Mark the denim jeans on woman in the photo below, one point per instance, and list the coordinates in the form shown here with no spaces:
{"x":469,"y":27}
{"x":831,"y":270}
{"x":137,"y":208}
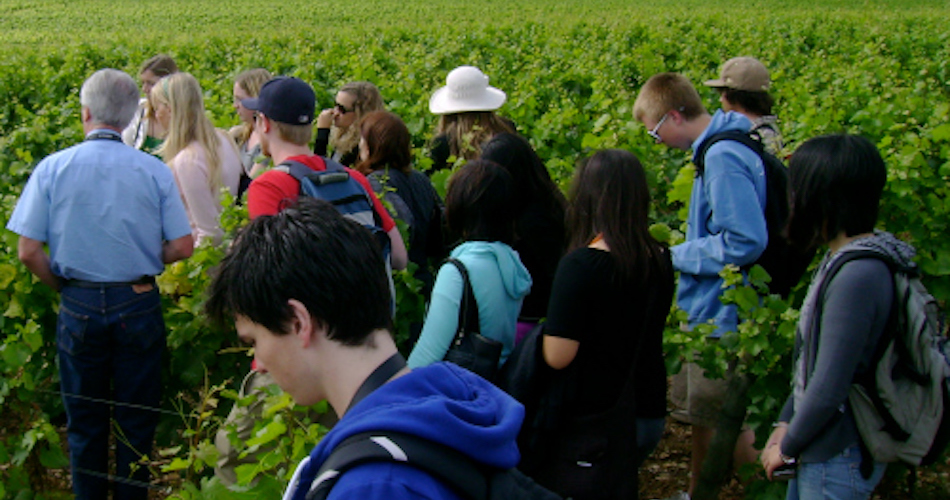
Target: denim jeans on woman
{"x":110,"y":342}
{"x":838,"y":478}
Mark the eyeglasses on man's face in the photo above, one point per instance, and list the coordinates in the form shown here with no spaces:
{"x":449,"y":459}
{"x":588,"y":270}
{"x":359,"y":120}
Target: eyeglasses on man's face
{"x":655,"y":132}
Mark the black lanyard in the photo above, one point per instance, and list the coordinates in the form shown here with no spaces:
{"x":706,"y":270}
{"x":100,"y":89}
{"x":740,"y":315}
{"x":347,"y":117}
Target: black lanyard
{"x":111,"y":136}
{"x":380,"y":376}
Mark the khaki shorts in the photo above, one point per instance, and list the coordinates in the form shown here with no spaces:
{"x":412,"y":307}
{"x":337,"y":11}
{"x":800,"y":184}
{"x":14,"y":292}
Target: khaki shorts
{"x":697,"y":400}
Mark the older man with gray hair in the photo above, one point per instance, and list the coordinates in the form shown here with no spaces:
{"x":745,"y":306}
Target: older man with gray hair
{"x":112,"y":218}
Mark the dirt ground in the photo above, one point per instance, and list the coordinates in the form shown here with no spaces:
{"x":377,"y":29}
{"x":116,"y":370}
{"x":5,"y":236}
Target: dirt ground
{"x":667,"y":472}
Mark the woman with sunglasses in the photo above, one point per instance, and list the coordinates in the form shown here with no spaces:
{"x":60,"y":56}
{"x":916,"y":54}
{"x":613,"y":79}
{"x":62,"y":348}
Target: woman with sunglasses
{"x":338,"y":127}
{"x":203,"y":159}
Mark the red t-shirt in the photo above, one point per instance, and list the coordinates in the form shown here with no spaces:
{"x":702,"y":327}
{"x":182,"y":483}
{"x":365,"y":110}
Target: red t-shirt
{"x":274,"y":190}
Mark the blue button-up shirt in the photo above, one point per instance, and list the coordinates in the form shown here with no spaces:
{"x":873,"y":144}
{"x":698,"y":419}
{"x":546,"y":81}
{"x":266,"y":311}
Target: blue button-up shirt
{"x":104,"y":209}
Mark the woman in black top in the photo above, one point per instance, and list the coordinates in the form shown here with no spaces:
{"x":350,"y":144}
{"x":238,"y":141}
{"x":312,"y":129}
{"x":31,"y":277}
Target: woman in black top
{"x":610,"y":299}
{"x":539,"y":218}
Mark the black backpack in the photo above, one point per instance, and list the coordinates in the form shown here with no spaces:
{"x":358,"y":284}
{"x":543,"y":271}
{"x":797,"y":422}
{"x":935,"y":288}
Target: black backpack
{"x":784,"y":263}
{"x":467,"y":478}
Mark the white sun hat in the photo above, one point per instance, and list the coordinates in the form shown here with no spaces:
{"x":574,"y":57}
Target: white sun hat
{"x":466,"y":89}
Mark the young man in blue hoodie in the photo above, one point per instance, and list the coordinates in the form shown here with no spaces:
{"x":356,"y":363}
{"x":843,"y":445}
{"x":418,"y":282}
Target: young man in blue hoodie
{"x":321,"y":328}
{"x":725,"y":225}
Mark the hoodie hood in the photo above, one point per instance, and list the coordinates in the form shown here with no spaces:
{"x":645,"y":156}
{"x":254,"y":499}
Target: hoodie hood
{"x":886,"y":244}
{"x":441,"y":403}
{"x":514,"y":275}
{"x":722,"y":121}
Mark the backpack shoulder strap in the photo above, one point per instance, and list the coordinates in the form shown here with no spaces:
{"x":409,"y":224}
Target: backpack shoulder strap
{"x":296,"y":169}
{"x":729,"y":135}
{"x":445,"y":464}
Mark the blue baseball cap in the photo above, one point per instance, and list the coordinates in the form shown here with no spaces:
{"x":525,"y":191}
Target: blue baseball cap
{"x":285,"y":99}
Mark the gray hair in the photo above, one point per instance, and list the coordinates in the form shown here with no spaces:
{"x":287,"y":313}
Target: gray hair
{"x":111,"y":96}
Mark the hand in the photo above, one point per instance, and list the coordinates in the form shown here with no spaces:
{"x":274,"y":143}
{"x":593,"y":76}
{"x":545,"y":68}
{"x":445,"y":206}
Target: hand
{"x":325,"y":119}
{"x":771,"y":457}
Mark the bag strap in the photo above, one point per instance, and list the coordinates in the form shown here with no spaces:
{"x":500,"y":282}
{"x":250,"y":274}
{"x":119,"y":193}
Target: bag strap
{"x":468,"y":306}
{"x":891,"y":426}
{"x":729,"y":135}
{"x":380,"y":376}
{"x":443,"y":463}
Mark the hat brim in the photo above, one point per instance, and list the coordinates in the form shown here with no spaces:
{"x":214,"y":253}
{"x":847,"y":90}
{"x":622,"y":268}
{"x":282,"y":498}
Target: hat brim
{"x":442,"y":102}
{"x":719,"y":84}
{"x":251,"y":103}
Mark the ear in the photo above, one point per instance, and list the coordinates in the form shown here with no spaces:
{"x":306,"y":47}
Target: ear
{"x":265,"y":124}
{"x":84,"y":114}
{"x":305,"y":327}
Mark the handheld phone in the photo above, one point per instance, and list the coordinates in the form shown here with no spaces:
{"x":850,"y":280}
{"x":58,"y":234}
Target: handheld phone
{"x":785,"y":472}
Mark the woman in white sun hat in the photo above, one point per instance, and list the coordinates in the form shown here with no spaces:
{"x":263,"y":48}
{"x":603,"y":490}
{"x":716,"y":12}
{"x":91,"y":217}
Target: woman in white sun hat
{"x":466,"y":105}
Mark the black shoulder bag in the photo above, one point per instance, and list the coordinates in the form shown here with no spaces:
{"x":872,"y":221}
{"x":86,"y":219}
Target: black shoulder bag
{"x":470,"y":349}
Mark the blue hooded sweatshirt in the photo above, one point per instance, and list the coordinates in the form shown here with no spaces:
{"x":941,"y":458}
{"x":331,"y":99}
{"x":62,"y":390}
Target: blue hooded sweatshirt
{"x":500,"y":283}
{"x":725,"y":224}
{"x":441,"y":403}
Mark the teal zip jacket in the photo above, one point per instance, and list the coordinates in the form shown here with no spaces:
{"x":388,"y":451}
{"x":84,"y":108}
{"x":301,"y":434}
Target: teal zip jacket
{"x":500,"y":282}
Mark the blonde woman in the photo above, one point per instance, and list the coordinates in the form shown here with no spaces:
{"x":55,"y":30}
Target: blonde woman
{"x":339,"y":126}
{"x":247,"y":85}
{"x":466,"y":107}
{"x":144,"y":132}
{"x":203,"y":158}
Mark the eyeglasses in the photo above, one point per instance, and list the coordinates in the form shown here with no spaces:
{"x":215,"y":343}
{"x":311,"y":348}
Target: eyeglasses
{"x":655,"y":133}
{"x":342,"y":109}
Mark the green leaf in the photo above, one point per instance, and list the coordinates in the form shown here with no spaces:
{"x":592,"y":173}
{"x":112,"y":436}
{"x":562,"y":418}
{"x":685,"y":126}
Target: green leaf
{"x":15,"y":354}
{"x":177,"y":464}
{"x":53,"y":457}
{"x":7,"y":275}
{"x":270,"y":432}
{"x":941,"y":133}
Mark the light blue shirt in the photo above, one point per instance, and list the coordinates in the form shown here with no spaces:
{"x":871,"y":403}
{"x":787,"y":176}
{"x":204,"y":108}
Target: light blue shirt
{"x":104,"y":209}
{"x":725,"y":224}
{"x":500,"y":283}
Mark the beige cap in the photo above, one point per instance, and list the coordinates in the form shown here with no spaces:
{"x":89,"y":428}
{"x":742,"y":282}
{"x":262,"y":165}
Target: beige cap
{"x":742,"y":73}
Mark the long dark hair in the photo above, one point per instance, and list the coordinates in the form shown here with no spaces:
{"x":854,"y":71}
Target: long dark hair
{"x":531,"y":177}
{"x":835,"y":184}
{"x":479,"y":203}
{"x":610,"y":196}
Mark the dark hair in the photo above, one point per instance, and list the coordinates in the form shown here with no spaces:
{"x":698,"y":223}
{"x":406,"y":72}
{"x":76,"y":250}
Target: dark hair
{"x":388,"y":141}
{"x":311,"y":253}
{"x":835,"y":184}
{"x":610,"y":196}
{"x":161,"y":65}
{"x":531,"y":177}
{"x":758,"y":103}
{"x":479,"y":203}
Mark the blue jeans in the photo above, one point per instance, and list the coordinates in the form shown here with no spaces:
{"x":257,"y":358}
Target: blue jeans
{"x":110,"y":342}
{"x":836,"y":479}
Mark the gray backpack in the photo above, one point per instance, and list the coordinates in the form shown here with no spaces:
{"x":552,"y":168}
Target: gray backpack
{"x":902,"y":403}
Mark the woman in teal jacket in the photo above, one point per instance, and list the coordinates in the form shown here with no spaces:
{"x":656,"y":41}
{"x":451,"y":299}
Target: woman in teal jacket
{"x":479,"y":204}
